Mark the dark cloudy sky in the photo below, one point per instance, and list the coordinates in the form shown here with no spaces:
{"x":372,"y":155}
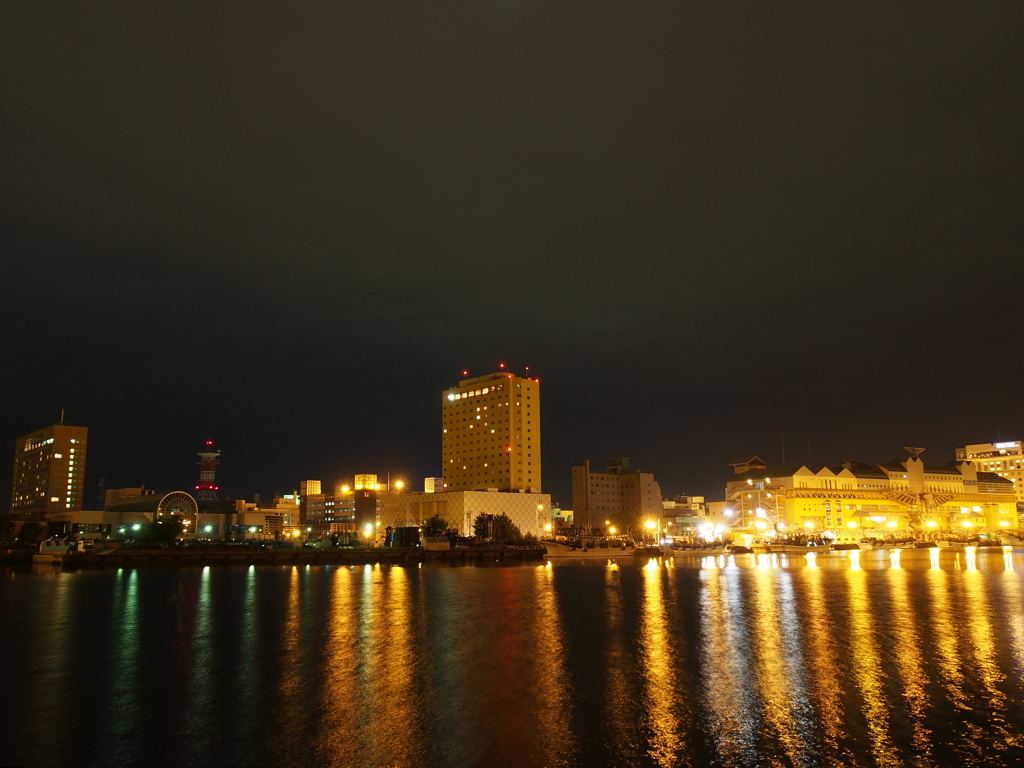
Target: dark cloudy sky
{"x":704,"y":226}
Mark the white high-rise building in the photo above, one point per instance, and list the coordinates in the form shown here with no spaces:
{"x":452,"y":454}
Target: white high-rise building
{"x":1005,"y":459}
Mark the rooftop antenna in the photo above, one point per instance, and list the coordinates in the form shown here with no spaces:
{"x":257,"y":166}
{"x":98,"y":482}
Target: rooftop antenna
{"x":527,"y":371}
{"x":61,"y":416}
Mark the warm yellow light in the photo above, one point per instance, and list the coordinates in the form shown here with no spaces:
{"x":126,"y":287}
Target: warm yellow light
{"x":1004,"y":523}
{"x":931,"y":524}
{"x":612,"y":530}
{"x":967,"y":524}
{"x":547,"y":527}
{"x":761,"y":524}
{"x":399,"y":484}
{"x":650,"y":524}
{"x":851,"y":524}
{"x":808,"y":525}
{"x":345,"y":489}
{"x":891,"y":524}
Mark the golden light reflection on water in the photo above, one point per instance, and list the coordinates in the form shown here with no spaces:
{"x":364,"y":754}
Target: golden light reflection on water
{"x":983,"y":649}
{"x":395,"y":700}
{"x":779,"y":662}
{"x":292,"y":683}
{"x":554,"y":703}
{"x":867,"y":674}
{"x":971,"y":558}
{"x":341,"y":704}
{"x":909,"y":660}
{"x":619,"y":700}
{"x":656,"y":660}
{"x":944,"y":631}
{"x":728,"y":689}
{"x":823,"y":663}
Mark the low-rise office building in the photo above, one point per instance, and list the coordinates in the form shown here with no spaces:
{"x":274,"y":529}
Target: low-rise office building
{"x":616,"y":498}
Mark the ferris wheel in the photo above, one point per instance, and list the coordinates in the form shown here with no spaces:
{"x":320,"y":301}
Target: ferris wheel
{"x":178,"y":504}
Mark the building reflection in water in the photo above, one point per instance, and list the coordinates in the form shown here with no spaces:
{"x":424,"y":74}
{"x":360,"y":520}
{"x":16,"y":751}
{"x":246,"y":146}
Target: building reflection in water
{"x":555,"y":743}
{"x":944,"y":635}
{"x":779,"y":663}
{"x":823,"y":660}
{"x":620,"y":712}
{"x":201,"y":716}
{"x":1013,"y":598}
{"x":867,"y":672}
{"x":664,"y":712}
{"x":126,"y":680}
{"x":873,"y":658}
{"x":905,"y":621}
{"x":732,"y":710}
{"x":981,"y":646}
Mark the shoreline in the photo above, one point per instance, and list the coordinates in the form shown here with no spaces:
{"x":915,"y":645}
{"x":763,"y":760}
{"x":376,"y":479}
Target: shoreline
{"x":199,"y":557}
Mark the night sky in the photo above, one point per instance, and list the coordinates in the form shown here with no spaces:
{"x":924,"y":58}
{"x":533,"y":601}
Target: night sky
{"x":706,"y":227}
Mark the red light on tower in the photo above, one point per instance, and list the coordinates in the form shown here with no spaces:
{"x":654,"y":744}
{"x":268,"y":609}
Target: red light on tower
{"x":208,"y":461}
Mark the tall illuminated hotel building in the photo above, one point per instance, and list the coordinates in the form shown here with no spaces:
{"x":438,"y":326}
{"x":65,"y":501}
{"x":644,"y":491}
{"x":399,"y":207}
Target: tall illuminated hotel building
{"x":491,"y":434}
{"x":49,"y":471}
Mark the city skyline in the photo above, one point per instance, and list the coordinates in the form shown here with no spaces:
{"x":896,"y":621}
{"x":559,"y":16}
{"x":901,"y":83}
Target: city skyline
{"x":708,"y":231}
{"x":339,"y":476}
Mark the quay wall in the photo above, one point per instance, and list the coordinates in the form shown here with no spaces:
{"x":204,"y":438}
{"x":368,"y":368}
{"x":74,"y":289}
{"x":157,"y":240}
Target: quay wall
{"x":187,"y":557}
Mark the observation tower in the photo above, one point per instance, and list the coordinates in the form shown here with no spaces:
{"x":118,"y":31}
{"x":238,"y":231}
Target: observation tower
{"x":208,"y":461}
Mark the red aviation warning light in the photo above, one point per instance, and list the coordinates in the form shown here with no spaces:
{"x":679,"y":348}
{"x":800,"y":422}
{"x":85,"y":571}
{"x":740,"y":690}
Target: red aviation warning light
{"x":208,"y":461}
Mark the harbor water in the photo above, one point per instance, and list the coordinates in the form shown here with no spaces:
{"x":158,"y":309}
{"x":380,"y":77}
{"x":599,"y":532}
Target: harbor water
{"x":862,"y":658}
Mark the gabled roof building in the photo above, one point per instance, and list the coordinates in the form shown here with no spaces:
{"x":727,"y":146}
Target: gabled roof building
{"x":898,"y":495}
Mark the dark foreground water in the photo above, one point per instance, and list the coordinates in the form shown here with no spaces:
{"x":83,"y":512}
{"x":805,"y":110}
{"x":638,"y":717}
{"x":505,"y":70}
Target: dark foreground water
{"x":853,"y":659}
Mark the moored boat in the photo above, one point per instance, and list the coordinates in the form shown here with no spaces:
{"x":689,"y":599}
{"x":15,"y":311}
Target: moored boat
{"x":560,"y":550}
{"x":795,"y":545}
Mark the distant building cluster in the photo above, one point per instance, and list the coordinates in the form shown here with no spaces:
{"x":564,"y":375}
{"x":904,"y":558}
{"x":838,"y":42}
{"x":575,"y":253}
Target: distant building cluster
{"x":491,"y":468}
{"x":491,"y":443}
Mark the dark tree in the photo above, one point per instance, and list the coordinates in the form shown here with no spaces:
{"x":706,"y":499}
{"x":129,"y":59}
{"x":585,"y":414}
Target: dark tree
{"x":435,"y":526}
{"x":499,"y":528}
{"x":6,"y":529}
{"x":30,"y":532}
